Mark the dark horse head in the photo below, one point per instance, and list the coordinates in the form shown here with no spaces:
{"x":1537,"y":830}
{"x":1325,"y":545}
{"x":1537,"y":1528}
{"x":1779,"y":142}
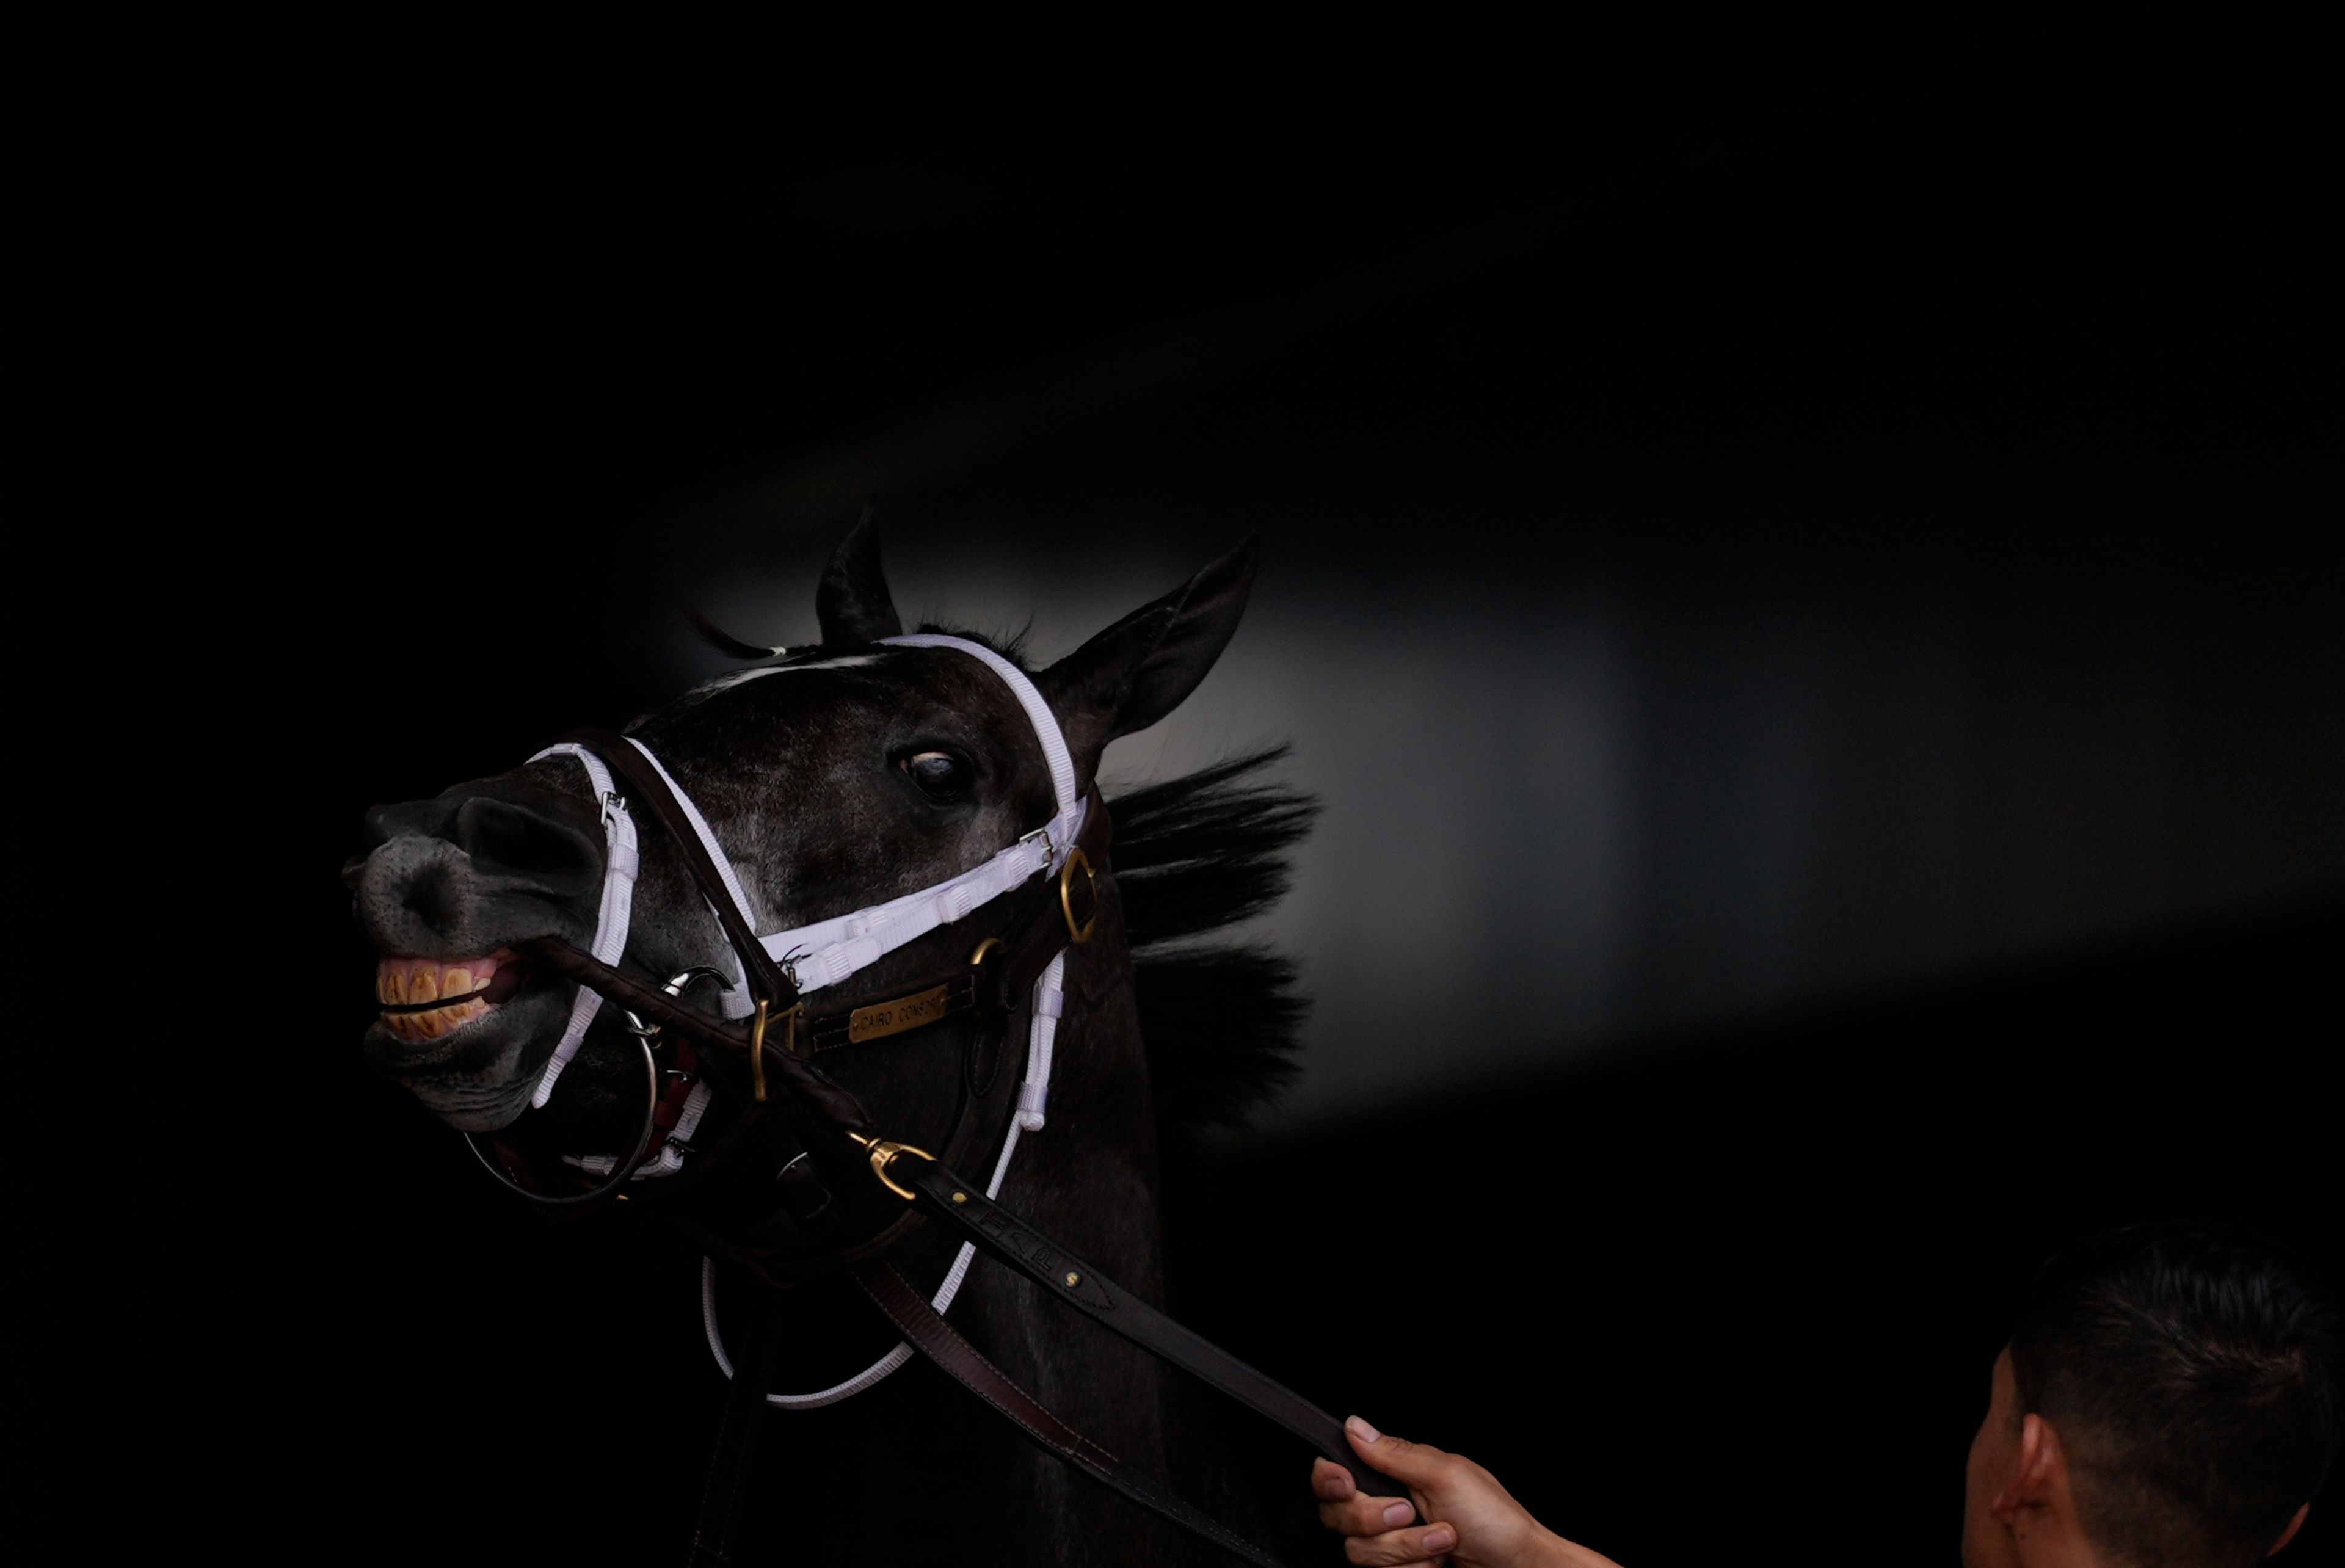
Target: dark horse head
{"x":835,"y":778}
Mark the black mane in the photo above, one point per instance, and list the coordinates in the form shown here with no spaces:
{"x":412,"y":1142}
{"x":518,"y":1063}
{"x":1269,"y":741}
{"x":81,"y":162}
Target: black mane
{"x":1193,"y":854}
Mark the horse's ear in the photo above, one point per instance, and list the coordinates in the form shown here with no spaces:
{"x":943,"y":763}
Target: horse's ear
{"x":1141,"y":668}
{"x":851,"y":602}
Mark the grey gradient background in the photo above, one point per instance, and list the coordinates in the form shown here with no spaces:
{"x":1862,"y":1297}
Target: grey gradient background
{"x":1608,"y":758}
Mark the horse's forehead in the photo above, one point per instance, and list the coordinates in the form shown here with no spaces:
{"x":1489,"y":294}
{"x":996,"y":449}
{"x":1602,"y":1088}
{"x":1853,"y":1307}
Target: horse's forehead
{"x":742,"y":677}
{"x":813,"y":699}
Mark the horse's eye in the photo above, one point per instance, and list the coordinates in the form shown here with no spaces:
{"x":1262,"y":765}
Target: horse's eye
{"x":941,"y":775}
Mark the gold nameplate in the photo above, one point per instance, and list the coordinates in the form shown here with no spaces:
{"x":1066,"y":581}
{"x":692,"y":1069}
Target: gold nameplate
{"x":885,"y":1018}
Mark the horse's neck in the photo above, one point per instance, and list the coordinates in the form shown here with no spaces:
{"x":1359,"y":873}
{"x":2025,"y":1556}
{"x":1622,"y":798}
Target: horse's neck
{"x":1088,"y":1179}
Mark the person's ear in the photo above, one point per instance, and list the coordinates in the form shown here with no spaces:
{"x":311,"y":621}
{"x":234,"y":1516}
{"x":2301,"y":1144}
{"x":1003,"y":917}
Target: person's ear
{"x":2042,"y":1474}
{"x":2294,"y":1525}
{"x":1139,"y":669}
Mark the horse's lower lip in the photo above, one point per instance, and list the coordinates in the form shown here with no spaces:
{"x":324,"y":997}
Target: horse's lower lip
{"x":430,"y":1021}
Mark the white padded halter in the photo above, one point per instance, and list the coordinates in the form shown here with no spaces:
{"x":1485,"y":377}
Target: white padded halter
{"x":829,"y":951}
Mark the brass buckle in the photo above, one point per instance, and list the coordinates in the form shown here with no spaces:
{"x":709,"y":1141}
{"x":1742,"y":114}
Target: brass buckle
{"x":757,"y":1043}
{"x":883,"y":1154}
{"x":991,"y":952}
{"x":1075,"y":857}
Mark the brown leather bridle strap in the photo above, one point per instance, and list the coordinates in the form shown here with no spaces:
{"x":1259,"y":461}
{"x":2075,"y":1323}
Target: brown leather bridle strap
{"x":962,"y":1207}
{"x":1046,"y":913}
{"x":803,"y":1079}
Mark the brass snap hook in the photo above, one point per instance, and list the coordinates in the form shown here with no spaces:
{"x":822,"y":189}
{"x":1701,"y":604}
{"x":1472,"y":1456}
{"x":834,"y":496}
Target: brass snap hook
{"x":883,"y":1154}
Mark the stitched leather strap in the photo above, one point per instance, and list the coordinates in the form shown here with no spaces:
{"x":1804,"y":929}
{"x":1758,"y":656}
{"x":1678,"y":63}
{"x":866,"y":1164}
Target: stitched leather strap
{"x":948,"y":1196}
{"x":927,"y":1332}
{"x":728,"y":1465}
{"x":804,"y":1082}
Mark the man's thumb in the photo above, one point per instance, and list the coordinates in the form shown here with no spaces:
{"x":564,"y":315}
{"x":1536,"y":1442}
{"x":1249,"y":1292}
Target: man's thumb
{"x":1415,"y":1463}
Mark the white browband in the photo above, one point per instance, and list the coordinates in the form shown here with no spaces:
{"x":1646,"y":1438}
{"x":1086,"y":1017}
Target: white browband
{"x":829,"y":951}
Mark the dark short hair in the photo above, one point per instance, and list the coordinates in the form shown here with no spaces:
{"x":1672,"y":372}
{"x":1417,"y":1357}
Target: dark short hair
{"x":2193,"y":1380}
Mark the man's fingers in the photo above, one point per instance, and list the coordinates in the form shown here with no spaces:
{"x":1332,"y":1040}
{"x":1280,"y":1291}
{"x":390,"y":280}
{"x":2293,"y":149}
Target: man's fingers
{"x":1366,"y":1515}
{"x":1420,"y":1465}
{"x":1330,"y":1482}
{"x":1422,"y":1544}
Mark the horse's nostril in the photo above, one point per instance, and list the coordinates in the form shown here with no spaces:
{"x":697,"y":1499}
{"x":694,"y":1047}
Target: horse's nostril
{"x":521,"y":840}
{"x":431,"y":897}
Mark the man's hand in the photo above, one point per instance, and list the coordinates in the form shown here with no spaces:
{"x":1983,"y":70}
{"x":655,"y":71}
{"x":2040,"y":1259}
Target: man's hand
{"x":1473,"y":1523}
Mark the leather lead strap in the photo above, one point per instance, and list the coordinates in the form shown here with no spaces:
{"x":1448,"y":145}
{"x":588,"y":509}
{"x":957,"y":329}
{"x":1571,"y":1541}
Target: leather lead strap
{"x":729,"y":1466}
{"x":927,"y":1332}
{"x":962,"y":1207}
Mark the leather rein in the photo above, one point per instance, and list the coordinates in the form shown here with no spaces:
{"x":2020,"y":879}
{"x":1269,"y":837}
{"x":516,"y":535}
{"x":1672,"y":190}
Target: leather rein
{"x":852,"y":1189}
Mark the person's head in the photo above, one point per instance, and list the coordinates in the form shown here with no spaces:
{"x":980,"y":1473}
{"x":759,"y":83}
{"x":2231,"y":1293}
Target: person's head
{"x":2169,"y":1399}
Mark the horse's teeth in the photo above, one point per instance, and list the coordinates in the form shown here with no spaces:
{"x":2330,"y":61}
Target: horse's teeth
{"x":408,"y":981}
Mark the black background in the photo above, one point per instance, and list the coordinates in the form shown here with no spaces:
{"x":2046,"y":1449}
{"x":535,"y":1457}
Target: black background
{"x":436,"y":346}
